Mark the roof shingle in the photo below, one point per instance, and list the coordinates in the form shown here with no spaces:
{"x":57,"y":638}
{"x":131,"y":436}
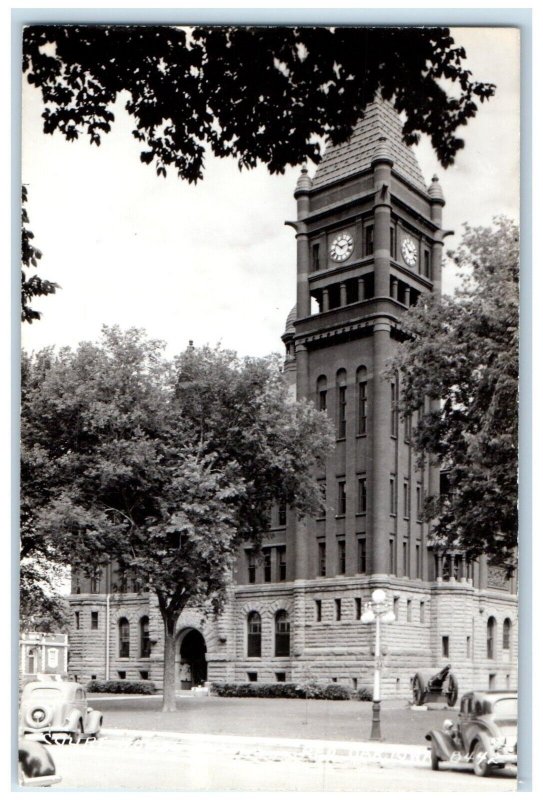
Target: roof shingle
{"x":380,"y":119}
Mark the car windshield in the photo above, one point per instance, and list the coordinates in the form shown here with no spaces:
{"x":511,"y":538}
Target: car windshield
{"x":506,"y":708}
{"x":45,"y":692}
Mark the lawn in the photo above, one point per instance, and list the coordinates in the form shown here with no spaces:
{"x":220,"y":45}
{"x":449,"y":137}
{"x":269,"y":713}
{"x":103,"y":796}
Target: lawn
{"x":348,"y":720}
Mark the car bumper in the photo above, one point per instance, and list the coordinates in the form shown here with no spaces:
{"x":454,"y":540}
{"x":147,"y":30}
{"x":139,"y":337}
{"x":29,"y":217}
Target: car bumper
{"x":503,"y":759}
{"x":46,"y":733}
{"x":46,"y":780}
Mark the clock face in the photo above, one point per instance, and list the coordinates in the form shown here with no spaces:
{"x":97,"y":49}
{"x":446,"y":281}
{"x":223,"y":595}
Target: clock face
{"x":341,"y":247}
{"x":409,"y":252}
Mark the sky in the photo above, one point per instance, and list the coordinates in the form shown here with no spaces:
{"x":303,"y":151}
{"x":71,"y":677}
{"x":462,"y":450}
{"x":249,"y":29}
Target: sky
{"x":214,"y":262}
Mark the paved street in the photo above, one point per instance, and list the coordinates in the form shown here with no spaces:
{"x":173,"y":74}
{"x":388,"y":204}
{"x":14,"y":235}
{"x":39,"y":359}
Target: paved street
{"x":218,"y":763}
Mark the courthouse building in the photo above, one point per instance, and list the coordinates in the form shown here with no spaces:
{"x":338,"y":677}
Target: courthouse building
{"x":369,"y":243}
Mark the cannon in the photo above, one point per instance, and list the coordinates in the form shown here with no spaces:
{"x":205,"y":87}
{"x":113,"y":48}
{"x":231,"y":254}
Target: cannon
{"x":439,"y":687}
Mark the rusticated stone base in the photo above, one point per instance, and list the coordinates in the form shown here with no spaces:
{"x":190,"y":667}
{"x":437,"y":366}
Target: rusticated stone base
{"x":436,"y":623}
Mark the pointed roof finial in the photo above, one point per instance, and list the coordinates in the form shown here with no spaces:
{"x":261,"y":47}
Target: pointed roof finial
{"x":382,"y":150}
{"x":304,"y":181}
{"x":434,"y":190}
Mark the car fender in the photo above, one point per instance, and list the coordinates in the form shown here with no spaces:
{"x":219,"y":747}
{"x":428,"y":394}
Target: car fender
{"x":484,"y":738}
{"x":443,"y":743}
{"x":35,"y":762}
{"x":93,"y":722}
{"x":74,"y":718}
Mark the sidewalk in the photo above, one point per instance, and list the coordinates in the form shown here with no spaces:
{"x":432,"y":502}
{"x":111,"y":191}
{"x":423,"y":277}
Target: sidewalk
{"x":267,"y":748}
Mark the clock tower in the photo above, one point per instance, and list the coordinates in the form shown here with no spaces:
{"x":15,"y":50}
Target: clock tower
{"x":369,"y":245}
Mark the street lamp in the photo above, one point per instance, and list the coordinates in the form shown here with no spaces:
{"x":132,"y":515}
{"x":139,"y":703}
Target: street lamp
{"x":377,"y":610}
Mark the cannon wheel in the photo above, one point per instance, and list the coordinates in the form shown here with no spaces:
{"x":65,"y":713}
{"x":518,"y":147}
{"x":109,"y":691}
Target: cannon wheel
{"x":452,"y":690}
{"x":418,"y":689}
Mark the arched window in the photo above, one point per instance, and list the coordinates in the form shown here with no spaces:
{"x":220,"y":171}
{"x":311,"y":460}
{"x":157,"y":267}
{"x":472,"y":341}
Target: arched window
{"x":362,"y":390}
{"x":254,"y":635}
{"x":124,"y":638}
{"x":282,"y":634}
{"x":341,"y":384}
{"x":491,"y":637}
{"x":506,"y":643}
{"x":145,"y":644}
{"x":321,"y":393}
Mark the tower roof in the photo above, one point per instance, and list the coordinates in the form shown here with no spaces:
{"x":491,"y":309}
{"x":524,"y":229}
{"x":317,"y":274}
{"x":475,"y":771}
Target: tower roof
{"x":380,"y":119}
{"x":289,"y":324}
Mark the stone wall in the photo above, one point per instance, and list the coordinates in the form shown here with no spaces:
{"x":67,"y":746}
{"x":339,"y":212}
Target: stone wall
{"x":326,"y":650}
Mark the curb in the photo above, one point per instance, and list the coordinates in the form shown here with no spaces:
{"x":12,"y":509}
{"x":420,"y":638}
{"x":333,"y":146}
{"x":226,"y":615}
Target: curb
{"x":263,"y":747}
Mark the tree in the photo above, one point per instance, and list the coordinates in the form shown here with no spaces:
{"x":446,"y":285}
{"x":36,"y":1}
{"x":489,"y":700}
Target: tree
{"x":459,"y":367}
{"x":31,"y":286}
{"x":163,"y":468}
{"x":256,"y":93}
{"x":41,"y":607}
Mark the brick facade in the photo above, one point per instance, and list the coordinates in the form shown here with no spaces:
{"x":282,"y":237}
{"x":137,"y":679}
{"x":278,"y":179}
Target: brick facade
{"x":369,"y":244}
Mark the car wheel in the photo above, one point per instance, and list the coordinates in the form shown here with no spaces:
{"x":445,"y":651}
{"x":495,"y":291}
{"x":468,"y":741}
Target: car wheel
{"x":480,"y":761}
{"x":434,"y":760}
{"x":76,"y":735}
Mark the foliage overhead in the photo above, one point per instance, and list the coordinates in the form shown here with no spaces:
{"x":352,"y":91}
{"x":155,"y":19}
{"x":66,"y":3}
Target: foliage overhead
{"x":31,"y":285}
{"x":260,"y":94}
{"x":463,"y":352}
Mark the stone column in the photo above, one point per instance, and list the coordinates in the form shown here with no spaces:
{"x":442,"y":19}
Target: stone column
{"x":301,"y":194}
{"x":381,"y":467}
{"x":303,"y":303}
{"x":439,"y":575}
{"x":342,"y":294}
{"x":437,"y":201}
{"x":301,"y":534}
{"x":361,"y":289}
{"x":382,"y":165}
{"x":325,"y":300}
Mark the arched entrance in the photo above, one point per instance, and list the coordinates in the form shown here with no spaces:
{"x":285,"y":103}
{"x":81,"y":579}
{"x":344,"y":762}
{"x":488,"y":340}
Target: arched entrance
{"x":192,"y":659}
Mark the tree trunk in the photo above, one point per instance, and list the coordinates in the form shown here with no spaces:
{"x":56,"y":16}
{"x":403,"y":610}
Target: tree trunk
{"x":168,"y":696}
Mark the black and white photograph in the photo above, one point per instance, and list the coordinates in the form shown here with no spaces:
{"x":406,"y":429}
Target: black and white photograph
{"x":269,"y":389}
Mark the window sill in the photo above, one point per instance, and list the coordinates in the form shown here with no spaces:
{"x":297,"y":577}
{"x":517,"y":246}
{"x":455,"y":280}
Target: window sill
{"x":341,"y":438}
{"x":361,"y":435}
{"x":361,"y":513}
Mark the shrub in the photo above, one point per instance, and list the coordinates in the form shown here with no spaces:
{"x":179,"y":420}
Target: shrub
{"x":364,"y":693}
{"x":312,"y":691}
{"x":121,"y":687}
{"x":335,"y":691}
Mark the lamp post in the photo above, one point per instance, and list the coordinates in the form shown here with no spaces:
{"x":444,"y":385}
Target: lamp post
{"x":377,"y":610}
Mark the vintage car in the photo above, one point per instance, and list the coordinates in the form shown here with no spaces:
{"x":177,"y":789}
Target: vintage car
{"x":484,"y":735}
{"x":57,"y":710}
{"x":36,"y":767}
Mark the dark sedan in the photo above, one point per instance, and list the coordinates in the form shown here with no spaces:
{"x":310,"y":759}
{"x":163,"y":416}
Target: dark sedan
{"x":484,"y":736}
